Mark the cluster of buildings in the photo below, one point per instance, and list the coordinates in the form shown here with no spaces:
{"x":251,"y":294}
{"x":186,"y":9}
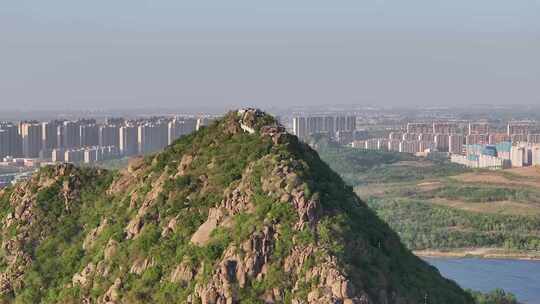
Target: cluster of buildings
{"x":87,"y":141}
{"x":418,"y":138}
{"x":15,"y":169}
{"x":500,"y":156}
{"x":474,"y":145}
{"x":341,"y":128}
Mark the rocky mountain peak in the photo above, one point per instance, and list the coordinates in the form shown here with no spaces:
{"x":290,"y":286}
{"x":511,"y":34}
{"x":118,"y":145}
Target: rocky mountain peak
{"x":238,"y":212}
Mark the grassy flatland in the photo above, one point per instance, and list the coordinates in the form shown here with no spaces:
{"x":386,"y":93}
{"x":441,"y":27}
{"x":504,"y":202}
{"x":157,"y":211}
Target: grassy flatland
{"x":528,"y":176}
{"x":438,"y":206}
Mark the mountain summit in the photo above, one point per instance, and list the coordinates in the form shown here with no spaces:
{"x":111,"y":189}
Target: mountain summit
{"x":237,"y":212}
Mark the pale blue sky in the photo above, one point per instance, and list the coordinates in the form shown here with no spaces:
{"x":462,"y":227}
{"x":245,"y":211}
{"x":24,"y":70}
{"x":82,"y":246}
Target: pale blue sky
{"x":96,"y":54}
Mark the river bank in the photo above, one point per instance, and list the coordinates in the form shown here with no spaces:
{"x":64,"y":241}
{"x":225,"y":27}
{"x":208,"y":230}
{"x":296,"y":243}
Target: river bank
{"x":484,"y":253}
{"x":519,"y":277}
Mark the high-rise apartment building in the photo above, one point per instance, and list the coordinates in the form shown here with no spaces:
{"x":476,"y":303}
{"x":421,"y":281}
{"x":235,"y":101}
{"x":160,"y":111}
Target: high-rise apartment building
{"x":442,"y":142}
{"x":89,"y":135}
{"x":426,"y":137}
{"x":91,"y":155}
{"x":410,"y":136}
{"x":345,"y":123}
{"x":395,"y":136}
{"x":11,"y":139}
{"x":518,"y":155}
{"x":445,"y":128}
{"x":152,"y":137}
{"x":32,"y":139}
{"x":129,"y":140}
{"x":499,"y":138}
{"x":74,"y":156}
{"x":426,"y":145}
{"x":50,"y":135}
{"x":70,"y":134}
{"x":533,"y":138}
{"x":189,"y":126}
{"x":455,"y":143}
{"x":372,"y":144}
{"x":409,"y":146}
{"x":477,"y":139}
{"x":478,"y":128}
{"x":419,"y":128}
{"x":535,"y":155}
{"x":518,"y":138}
{"x":299,"y":127}
{"x":314,"y":124}
{"x":382,"y":144}
{"x":4,"y":143}
{"x":329,"y":125}
{"x":179,"y":127}
{"x":344,"y":137}
{"x":58,"y":155}
{"x":174,"y":130}
{"x":393,"y":145}
{"x":115,"y":121}
{"x":109,"y":135}
{"x":204,"y":121}
{"x":518,"y":128}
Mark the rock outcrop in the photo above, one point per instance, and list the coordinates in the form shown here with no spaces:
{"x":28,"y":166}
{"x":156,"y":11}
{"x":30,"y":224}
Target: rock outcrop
{"x":238,"y":212}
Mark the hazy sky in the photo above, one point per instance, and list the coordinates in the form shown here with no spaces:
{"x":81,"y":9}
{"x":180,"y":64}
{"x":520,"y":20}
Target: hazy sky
{"x":133,"y":53}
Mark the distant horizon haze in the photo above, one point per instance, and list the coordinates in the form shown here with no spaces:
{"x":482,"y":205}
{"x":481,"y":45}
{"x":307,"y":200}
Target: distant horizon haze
{"x":69,"y":56}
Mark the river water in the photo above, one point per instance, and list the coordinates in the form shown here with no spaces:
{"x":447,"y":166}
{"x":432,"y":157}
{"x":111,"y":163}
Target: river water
{"x":522,"y":278}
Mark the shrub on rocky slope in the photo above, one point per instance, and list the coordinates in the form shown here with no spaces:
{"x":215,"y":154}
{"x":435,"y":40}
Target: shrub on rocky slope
{"x":239,"y":211}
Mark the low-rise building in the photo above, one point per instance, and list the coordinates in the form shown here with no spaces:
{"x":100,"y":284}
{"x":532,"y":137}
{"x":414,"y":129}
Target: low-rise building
{"x":481,"y":161}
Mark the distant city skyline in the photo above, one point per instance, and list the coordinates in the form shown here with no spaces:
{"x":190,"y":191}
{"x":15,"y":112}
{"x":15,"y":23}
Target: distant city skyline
{"x":66,"y":55}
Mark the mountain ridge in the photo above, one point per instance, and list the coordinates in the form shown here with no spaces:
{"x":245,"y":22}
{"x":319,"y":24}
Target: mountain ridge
{"x":238,"y":212}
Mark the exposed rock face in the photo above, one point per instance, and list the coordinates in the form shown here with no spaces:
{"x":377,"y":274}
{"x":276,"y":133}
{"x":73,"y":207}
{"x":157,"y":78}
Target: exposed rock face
{"x":25,"y":217}
{"x":183,"y":274}
{"x":83,"y":278}
{"x":237,"y":212}
{"x":141,"y":265}
{"x":202,"y":235}
{"x":94,"y":233}
{"x":113,"y":296}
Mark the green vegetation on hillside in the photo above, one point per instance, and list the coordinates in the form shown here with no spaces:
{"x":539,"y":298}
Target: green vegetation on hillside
{"x":401,"y":188}
{"x":72,"y":234}
{"x":416,"y":198}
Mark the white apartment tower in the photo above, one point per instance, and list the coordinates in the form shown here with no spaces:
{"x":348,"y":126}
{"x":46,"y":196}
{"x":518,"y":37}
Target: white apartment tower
{"x":299,"y":127}
{"x":128,"y":140}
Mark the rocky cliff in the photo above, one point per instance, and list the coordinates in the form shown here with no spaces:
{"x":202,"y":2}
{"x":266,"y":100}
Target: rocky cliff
{"x":238,"y":212}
